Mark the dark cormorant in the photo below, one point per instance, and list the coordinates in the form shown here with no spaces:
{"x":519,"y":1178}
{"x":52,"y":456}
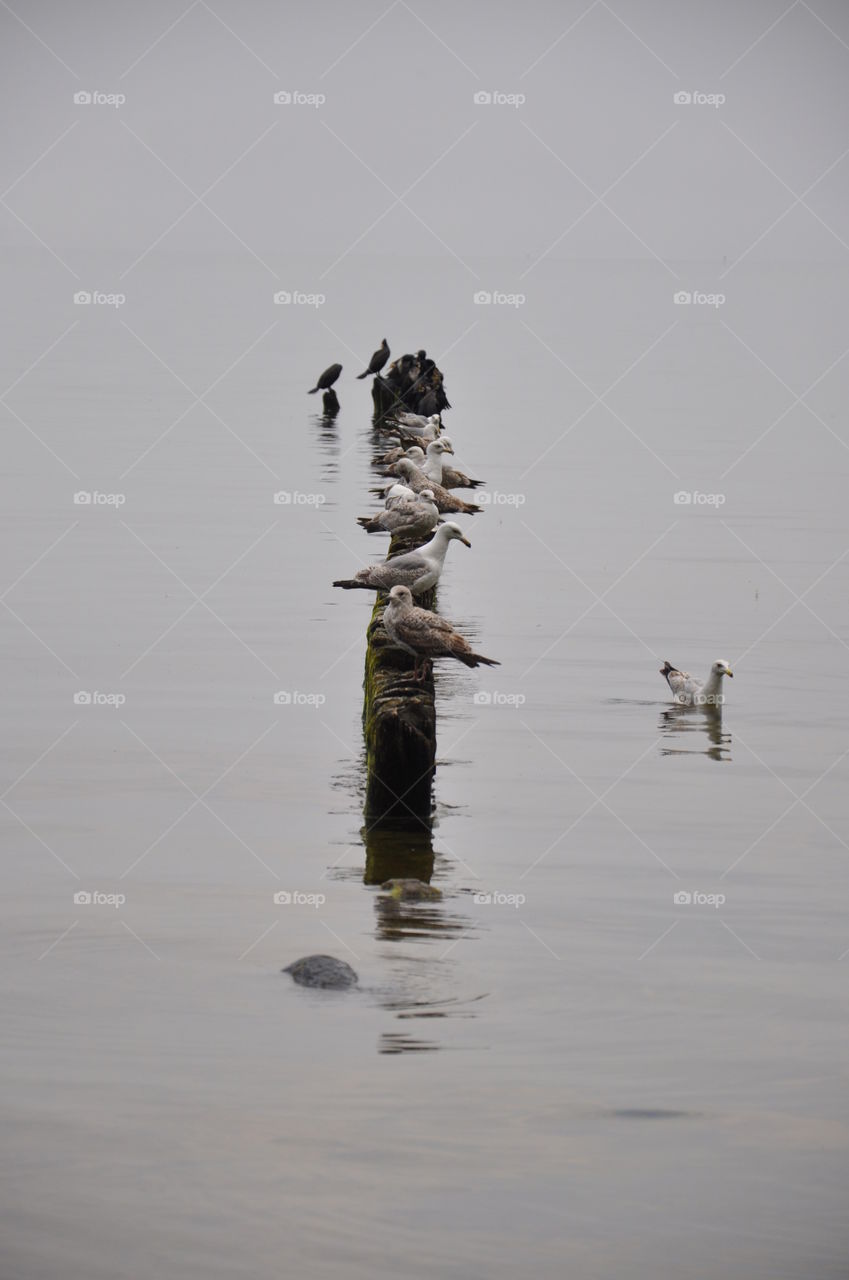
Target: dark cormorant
{"x":327,"y":379}
{"x":377,"y":361}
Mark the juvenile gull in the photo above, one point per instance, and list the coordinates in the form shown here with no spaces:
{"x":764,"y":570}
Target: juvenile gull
{"x":415,"y":454}
{"x":409,"y":517}
{"x":426,"y":635}
{"x":419,"y":570}
{"x":697,"y":693}
{"x":377,"y":361}
{"x":417,"y":480}
{"x":327,"y":379}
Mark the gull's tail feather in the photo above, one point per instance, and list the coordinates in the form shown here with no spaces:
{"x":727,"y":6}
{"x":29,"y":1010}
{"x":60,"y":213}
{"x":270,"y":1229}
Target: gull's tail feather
{"x":475,"y":659}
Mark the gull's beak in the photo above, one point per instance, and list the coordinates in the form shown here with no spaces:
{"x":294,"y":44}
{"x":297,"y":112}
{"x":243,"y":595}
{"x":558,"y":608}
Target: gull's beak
{"x":729,"y":672}
{"x":465,"y":542}
{"x":449,"y":448}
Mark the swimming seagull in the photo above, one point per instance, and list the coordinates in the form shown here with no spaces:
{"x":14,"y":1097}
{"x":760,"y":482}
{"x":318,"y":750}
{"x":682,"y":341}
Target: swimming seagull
{"x":408,"y":517}
{"x":426,"y":635}
{"x":417,"y":480}
{"x":327,"y":379}
{"x":697,"y":693}
{"x":419,"y":570}
{"x":377,"y":361}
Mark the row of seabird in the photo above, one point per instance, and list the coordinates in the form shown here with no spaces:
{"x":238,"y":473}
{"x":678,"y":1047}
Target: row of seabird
{"x":417,"y":494}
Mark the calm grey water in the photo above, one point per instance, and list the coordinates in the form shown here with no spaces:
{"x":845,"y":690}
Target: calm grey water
{"x":588,"y":1077}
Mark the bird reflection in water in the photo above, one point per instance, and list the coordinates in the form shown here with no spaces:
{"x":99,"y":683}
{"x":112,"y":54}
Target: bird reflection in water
{"x":679,"y":722}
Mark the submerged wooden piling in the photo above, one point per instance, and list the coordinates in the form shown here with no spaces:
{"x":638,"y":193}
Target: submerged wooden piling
{"x":399,"y":723}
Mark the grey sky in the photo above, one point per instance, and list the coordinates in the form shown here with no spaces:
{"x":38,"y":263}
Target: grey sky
{"x":496,"y":180}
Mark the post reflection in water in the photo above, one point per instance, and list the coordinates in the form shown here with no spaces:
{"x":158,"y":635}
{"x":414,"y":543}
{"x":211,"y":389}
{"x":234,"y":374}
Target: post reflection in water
{"x":400,"y":859}
{"x":691,"y":723}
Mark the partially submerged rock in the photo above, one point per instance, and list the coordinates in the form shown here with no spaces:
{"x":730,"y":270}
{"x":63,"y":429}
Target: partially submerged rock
{"x":412,"y":891}
{"x":322,"y":971}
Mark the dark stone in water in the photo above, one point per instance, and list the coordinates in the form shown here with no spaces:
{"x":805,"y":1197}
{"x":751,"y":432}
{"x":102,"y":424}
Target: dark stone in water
{"x":650,"y":1113}
{"x":322,"y":971}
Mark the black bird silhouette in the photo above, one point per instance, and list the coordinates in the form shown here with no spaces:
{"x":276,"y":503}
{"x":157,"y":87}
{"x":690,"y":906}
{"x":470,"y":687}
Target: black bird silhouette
{"x":377,"y":361}
{"x":327,"y":379}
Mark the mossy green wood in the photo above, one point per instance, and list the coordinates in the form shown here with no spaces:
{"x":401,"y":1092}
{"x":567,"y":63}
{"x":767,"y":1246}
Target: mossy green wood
{"x":399,"y":722}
